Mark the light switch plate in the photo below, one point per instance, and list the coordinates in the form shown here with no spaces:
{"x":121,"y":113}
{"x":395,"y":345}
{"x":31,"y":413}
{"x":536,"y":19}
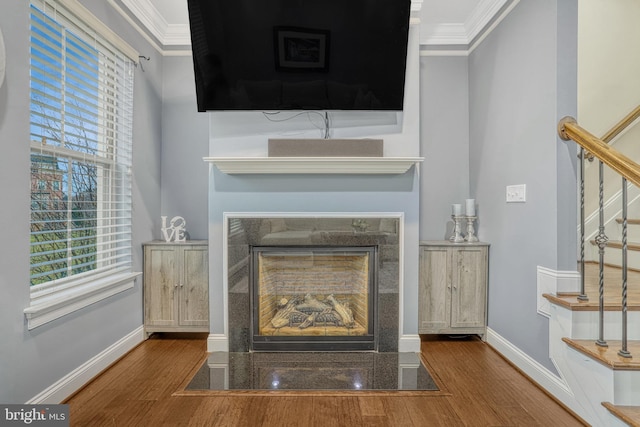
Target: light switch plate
{"x":516,"y":193}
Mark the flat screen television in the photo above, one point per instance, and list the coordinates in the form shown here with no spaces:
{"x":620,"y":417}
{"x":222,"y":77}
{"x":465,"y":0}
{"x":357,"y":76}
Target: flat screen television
{"x":299,"y":54}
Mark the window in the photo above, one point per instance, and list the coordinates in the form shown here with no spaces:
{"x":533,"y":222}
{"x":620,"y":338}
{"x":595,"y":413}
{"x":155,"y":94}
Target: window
{"x":81,"y":137}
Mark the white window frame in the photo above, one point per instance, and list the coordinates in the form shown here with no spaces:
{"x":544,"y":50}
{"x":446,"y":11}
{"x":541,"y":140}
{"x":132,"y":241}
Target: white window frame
{"x":54,"y":299}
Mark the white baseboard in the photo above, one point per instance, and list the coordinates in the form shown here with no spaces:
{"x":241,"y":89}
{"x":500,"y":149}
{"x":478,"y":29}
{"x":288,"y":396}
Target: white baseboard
{"x":217,"y":342}
{"x":409,"y":343}
{"x":538,"y":373}
{"x":220,"y":342}
{"x":553,"y":282}
{"x":80,"y":376}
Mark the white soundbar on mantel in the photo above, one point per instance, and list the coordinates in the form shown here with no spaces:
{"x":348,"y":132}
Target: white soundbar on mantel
{"x":313,"y":165}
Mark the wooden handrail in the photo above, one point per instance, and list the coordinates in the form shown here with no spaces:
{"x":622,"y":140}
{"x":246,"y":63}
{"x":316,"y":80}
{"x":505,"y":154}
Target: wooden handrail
{"x":618,"y":128}
{"x":568,"y":129}
{"x":622,"y":125}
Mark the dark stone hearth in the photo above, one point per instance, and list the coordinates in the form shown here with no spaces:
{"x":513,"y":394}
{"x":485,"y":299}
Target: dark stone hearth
{"x":312,"y":371}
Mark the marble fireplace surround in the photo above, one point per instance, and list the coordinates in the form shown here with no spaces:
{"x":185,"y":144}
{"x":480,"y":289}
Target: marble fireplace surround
{"x":243,"y":230}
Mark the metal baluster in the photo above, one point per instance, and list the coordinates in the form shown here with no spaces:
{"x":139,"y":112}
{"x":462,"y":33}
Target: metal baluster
{"x":623,"y":352}
{"x":601,"y":240}
{"x":583,"y":295}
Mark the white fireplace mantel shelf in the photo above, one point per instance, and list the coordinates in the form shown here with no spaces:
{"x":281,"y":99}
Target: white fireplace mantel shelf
{"x":313,"y":165}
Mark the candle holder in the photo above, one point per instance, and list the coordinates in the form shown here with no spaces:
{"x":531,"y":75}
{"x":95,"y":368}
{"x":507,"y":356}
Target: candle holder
{"x":457,"y":229}
{"x":471,"y":232}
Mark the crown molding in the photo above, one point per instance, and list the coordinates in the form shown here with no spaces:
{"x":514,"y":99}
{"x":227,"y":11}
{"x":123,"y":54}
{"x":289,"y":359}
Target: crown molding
{"x":482,"y":15}
{"x":148,"y":16}
{"x":178,"y":34}
{"x":447,"y":34}
{"x":500,"y":15}
{"x":443,"y":34}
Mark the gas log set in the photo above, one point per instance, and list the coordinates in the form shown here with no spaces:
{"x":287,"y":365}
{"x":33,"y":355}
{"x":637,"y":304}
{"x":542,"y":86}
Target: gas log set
{"x":310,"y":311}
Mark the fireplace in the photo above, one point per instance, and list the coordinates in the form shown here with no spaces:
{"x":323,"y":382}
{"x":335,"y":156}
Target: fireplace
{"x":308,"y":298}
{"x":333,"y":279}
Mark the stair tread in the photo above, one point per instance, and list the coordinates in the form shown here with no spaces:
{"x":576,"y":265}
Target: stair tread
{"x":609,"y":355}
{"x":612,"y":291}
{"x":628,"y":414}
{"x":573,"y":303}
{"x":630,"y":221}
{"x":617,"y":244}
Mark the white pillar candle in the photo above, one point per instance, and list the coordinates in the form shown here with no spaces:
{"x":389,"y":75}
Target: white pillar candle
{"x":456,"y":209}
{"x":470,"y":207}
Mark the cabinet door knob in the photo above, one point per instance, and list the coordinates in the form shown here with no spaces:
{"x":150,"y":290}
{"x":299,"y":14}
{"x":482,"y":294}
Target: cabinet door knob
{"x":181,"y":285}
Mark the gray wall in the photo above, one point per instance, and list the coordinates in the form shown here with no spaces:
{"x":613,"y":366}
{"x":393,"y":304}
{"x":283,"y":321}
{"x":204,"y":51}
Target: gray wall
{"x":185,"y":141}
{"x":444,"y":142}
{"x":31,"y":361}
{"x":519,"y":86}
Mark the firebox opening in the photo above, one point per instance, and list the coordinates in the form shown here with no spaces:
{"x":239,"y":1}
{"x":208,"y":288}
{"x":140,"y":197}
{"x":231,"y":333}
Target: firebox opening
{"x":313,"y":298}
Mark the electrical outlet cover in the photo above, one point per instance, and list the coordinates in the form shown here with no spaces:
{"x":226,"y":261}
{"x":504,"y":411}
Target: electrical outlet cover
{"x":516,"y":193}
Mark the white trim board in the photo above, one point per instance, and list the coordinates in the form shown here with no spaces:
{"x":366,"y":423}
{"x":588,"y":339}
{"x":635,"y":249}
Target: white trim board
{"x":553,"y":282}
{"x":84,"y":373}
{"x":470,"y":34}
{"x":406,"y":344}
{"x":409,"y":344}
{"x":217,"y":342}
{"x":546,"y":379}
{"x":481,"y":21}
{"x":313,"y":165}
{"x":46,"y":308}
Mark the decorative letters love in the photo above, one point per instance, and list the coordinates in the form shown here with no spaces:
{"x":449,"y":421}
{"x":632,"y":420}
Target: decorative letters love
{"x":176,"y":230}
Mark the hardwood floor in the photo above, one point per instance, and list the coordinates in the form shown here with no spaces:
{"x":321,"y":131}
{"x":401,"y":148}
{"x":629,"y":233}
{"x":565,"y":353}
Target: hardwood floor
{"x":478,"y":388}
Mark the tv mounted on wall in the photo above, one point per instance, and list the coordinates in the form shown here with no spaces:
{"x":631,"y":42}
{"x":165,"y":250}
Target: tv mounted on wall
{"x":299,"y":54}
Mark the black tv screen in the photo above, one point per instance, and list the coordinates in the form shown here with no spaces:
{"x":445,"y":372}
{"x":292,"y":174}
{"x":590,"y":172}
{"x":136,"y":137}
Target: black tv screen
{"x":299,"y":54}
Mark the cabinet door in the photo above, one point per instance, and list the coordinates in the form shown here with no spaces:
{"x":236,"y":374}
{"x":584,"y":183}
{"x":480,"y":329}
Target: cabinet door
{"x":194,"y":286}
{"x":469,"y":293}
{"x":434,"y":291}
{"x":160,"y":281}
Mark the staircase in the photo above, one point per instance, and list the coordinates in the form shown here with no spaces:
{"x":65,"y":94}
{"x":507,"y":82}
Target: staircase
{"x":604,"y":385}
{"x":609,"y":211}
{"x":594,"y":334}
{"x":613,"y":254}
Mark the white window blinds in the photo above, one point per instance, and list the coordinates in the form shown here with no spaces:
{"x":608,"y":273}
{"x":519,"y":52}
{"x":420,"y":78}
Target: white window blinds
{"x":81,"y":136}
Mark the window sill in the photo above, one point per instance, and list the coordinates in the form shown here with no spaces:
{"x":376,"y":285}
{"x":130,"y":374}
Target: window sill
{"x":45,"y":309}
